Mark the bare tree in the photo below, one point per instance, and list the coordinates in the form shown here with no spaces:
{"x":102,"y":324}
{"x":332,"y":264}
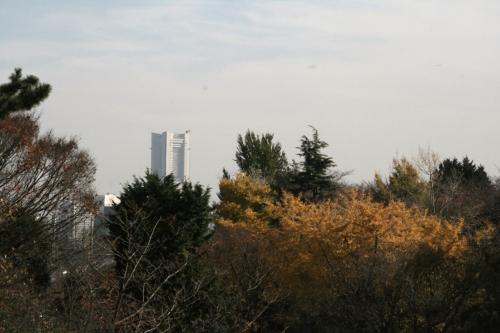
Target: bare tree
{"x":39,"y":176}
{"x":427,"y":162}
{"x":40,"y":172}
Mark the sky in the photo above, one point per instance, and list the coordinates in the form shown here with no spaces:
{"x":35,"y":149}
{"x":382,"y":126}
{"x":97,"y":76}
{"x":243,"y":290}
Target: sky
{"x":378,"y":79}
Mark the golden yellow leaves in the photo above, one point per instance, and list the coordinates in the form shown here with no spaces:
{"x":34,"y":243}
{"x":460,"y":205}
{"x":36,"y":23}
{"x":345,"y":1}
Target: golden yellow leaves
{"x":340,"y":252}
{"x":299,"y":239}
{"x":243,"y":199}
{"x":353,"y":222}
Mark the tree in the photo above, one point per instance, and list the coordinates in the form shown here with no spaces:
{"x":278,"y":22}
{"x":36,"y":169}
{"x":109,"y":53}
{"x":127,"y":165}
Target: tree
{"x":246,"y":201}
{"x":157,"y":233}
{"x":243,"y":198}
{"x":259,"y":157}
{"x":46,"y":191}
{"x":494,"y":209}
{"x":427,"y":162}
{"x":27,"y":243}
{"x":313,"y":178}
{"x":39,"y":174}
{"x":404,"y":184}
{"x":182,"y":212}
{"x":350,"y":264}
{"x":464,"y":189}
{"x":466,"y":171}
{"x":21,"y":93}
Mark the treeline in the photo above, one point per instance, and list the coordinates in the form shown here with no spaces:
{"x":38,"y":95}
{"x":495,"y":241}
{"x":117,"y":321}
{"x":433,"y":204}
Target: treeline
{"x":288,"y":247}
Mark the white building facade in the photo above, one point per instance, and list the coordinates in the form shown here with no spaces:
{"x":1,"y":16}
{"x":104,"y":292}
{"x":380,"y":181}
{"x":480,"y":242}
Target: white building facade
{"x":71,"y":227}
{"x":170,"y":154}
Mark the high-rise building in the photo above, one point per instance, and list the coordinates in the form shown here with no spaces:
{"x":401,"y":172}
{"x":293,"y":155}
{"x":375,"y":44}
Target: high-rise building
{"x":170,"y":154}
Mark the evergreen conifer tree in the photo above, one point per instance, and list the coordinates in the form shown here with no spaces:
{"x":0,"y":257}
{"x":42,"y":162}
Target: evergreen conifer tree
{"x":313,"y":177}
{"x":157,"y":232}
{"x":464,"y":189}
{"x":21,"y":93}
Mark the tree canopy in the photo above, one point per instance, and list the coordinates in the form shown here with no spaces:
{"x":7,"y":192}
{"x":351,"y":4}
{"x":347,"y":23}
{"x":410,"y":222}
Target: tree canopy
{"x":158,"y":230}
{"x":46,"y":194}
{"x":259,"y":156}
{"x":21,"y":93}
{"x":287,"y":248}
{"x":313,"y":176}
{"x":465,"y":190}
{"x":404,"y":184}
{"x":350,"y":264}
{"x":177,"y":216}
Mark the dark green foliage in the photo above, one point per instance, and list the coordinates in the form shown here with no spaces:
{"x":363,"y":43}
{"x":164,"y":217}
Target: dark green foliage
{"x":182,"y":213}
{"x":465,"y":172}
{"x":160,"y":236}
{"x":225,"y":174}
{"x":26,"y":243}
{"x":313,"y":177}
{"x":464,"y":190}
{"x":21,"y":93}
{"x":158,"y":232}
{"x":258,"y":156}
{"x":176,"y":215}
{"x":494,"y":209}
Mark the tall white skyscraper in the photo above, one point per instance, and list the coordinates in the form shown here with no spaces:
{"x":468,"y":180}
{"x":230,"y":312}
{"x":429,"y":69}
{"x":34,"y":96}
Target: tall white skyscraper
{"x":170,"y":154}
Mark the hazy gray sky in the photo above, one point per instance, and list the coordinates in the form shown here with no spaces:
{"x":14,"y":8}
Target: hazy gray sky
{"x":377,"y":78}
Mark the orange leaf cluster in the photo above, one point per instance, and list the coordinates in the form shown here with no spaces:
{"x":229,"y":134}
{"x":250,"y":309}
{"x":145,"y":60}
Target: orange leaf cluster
{"x":306,"y":246}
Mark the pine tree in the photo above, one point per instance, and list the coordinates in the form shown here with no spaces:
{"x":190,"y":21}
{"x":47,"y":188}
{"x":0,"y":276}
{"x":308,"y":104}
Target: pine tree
{"x":313,"y":177}
{"x":21,"y":93}
{"x":466,"y":172}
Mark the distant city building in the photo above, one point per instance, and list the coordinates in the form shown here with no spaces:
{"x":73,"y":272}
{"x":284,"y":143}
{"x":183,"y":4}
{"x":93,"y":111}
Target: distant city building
{"x":70,"y":225}
{"x":170,"y":155}
{"x":105,"y":204}
{"x":66,"y":222}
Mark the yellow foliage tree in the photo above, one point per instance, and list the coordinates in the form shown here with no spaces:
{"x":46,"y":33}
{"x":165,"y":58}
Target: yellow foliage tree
{"x":243,"y":199}
{"x":306,"y":252}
